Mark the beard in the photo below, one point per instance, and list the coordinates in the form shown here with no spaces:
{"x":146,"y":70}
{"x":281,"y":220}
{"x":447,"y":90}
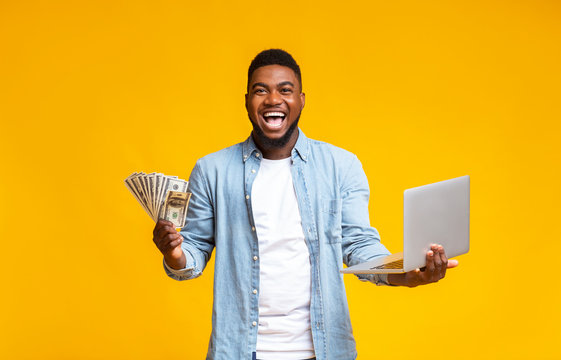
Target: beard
{"x":269,"y":143}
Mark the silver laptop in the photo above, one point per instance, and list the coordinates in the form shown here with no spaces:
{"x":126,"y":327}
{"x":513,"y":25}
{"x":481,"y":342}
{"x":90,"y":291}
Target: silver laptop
{"x":432,"y":214}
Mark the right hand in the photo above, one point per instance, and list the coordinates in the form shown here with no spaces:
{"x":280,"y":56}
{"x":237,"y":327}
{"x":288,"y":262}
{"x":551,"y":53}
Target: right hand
{"x":168,"y":241}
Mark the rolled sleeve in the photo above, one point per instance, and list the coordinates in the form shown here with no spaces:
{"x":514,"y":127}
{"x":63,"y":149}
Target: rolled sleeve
{"x":181,"y":274}
{"x":378,"y":279}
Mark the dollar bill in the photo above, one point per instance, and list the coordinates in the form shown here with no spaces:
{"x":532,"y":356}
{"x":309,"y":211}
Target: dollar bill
{"x":170,"y":184}
{"x":174,"y":208}
{"x":132,"y":189}
{"x":151,"y":191}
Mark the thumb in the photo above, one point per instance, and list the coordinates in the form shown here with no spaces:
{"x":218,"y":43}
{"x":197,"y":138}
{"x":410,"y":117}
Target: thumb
{"x":452,"y":263}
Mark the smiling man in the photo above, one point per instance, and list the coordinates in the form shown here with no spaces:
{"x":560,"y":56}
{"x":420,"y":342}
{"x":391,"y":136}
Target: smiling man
{"x":274,"y":102}
{"x":283,"y":213}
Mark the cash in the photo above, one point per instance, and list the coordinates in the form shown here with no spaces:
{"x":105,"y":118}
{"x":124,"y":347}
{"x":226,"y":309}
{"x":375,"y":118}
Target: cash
{"x":161,"y":196}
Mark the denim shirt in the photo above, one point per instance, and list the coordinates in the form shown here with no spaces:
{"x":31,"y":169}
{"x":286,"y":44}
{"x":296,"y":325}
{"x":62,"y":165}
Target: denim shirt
{"x":332,"y":193}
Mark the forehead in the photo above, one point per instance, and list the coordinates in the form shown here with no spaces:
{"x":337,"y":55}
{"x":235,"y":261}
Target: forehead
{"x":273,"y":74}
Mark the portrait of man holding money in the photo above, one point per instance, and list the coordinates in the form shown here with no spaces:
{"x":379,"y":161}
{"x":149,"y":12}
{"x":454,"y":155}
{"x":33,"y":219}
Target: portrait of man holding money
{"x":282,"y":214}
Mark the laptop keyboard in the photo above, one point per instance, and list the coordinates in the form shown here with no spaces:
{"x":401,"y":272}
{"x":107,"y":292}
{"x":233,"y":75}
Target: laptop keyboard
{"x":398,"y":264}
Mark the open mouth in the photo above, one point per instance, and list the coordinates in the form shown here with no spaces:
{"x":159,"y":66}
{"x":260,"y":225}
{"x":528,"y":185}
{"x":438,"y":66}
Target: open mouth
{"x":274,"y":118}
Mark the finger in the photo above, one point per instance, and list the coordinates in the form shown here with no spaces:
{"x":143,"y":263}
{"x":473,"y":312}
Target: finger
{"x":442,"y":270}
{"x":176,"y":243}
{"x":159,"y":224}
{"x":430,"y":262}
{"x":160,"y":240}
{"x":162,"y":233}
{"x":171,"y":241}
{"x":165,"y":230}
{"x":172,"y":244}
{"x":452,"y":263}
{"x":435,"y":249}
{"x":443,"y":257}
{"x":437,"y":258}
{"x":425,"y":274}
{"x":166,"y":222}
{"x":444,"y":260}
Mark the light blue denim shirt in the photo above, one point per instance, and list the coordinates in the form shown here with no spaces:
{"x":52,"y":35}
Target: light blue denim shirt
{"x":332,"y":193}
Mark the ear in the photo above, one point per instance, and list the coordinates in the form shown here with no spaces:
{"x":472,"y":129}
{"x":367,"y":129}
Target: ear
{"x":246,"y":95}
{"x":303,"y":100}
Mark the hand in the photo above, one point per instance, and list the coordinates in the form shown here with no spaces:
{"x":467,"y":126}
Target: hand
{"x":168,"y":241}
{"x":435,"y":269}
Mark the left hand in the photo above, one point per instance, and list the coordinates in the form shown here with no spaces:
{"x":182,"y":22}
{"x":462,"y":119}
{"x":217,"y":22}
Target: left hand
{"x":435,"y":269}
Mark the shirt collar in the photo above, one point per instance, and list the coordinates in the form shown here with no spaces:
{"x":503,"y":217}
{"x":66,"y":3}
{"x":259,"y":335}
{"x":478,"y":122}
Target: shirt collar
{"x":301,"y":148}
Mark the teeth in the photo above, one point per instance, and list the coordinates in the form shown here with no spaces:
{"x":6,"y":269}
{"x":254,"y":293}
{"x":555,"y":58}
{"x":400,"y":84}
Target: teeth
{"x":273,"y":114}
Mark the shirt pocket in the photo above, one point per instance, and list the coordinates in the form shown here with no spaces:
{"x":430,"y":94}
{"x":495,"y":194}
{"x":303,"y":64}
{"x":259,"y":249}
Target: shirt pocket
{"x":331,"y":216}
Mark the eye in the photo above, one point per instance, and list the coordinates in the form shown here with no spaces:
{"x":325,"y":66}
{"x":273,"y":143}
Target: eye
{"x":259,"y":91}
{"x":286,"y":90}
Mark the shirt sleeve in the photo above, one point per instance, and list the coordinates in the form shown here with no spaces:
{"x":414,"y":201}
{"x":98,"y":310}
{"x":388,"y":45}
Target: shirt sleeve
{"x":181,"y":274}
{"x":361,"y":242}
{"x":198,"y":232}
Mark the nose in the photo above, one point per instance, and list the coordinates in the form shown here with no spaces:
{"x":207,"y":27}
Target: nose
{"x":273,"y":98}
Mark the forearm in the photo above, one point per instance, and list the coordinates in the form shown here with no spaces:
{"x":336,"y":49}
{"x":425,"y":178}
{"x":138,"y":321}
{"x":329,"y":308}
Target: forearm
{"x":176,"y":264}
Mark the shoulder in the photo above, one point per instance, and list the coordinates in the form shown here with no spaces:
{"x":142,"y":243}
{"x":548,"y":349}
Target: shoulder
{"x":221,"y":158}
{"x":324,"y":151}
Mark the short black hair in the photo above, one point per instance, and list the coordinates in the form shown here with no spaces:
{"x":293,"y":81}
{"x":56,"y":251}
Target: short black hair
{"x":274,"y":57}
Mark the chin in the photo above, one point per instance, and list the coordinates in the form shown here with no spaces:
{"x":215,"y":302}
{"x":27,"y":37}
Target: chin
{"x":277,"y":142}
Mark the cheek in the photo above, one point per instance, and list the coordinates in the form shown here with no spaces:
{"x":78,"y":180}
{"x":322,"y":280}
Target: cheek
{"x":253,"y":105}
{"x":295,"y":106}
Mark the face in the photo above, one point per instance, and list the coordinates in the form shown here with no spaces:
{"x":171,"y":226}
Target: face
{"x":274,"y":102}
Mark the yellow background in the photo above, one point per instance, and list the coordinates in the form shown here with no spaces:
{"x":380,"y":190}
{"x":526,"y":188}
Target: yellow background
{"x":421,"y":91}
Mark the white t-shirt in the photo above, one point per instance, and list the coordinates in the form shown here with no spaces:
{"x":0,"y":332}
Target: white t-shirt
{"x":285,"y":283}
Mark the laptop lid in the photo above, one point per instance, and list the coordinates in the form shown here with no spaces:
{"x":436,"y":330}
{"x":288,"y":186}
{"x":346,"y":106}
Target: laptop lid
{"x":436,"y":213}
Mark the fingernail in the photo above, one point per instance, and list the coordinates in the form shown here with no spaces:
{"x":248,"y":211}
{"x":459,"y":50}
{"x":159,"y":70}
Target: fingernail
{"x":430,"y":253}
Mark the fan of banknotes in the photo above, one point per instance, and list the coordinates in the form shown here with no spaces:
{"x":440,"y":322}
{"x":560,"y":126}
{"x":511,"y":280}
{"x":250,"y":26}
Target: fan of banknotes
{"x":161,"y":196}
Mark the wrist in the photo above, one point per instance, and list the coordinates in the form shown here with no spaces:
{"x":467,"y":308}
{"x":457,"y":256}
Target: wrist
{"x":176,"y":263}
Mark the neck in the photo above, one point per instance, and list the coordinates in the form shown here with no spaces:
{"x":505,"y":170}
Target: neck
{"x":273,"y":152}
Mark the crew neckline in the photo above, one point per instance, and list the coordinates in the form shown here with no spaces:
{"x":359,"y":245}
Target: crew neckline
{"x":279,"y":161}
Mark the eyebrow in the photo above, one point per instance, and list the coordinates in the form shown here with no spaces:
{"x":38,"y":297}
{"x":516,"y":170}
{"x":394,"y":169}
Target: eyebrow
{"x":285,"y":83}
{"x":278,"y":85}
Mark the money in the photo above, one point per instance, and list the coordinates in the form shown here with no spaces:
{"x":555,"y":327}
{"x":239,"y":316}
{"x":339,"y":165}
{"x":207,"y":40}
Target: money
{"x":161,"y":196}
{"x":175,"y":207}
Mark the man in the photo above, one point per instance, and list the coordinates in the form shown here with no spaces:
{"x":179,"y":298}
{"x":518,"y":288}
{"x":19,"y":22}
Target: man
{"x":284,"y":213}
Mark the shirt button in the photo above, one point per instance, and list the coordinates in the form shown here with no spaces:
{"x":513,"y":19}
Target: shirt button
{"x":247,"y":197}
{"x":255,"y":258}
{"x":253,"y":171}
{"x":257,"y":155}
{"x":254,"y":323}
{"x":253,"y":228}
{"x":255,"y":291}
